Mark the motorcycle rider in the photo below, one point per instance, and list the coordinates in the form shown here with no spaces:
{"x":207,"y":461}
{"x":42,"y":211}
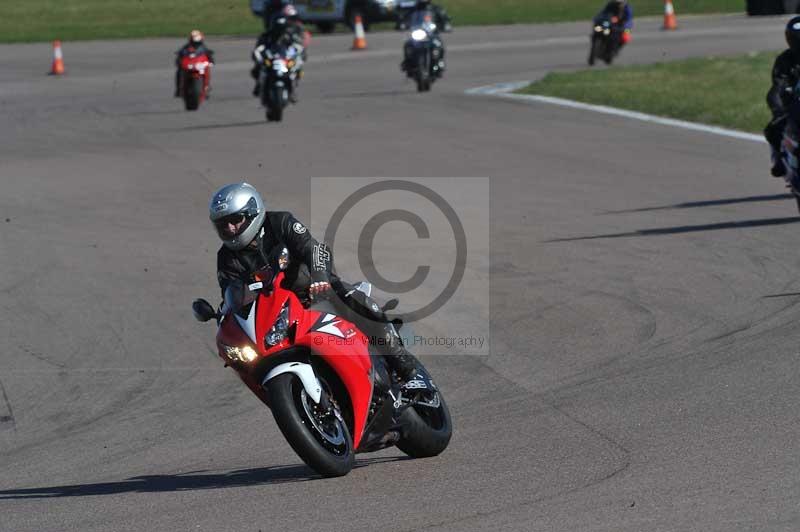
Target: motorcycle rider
{"x":439,"y":17}
{"x":785,"y":75}
{"x":250,"y":234}
{"x":621,"y":14}
{"x":282,"y":26}
{"x":196,"y":45}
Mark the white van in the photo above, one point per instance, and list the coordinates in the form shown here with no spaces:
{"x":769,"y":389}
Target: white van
{"x":325,"y":14}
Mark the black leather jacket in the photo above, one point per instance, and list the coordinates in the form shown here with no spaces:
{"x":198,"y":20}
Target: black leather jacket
{"x":438,"y":13}
{"x":189,"y":48}
{"x":785,"y":75}
{"x":310,"y":261}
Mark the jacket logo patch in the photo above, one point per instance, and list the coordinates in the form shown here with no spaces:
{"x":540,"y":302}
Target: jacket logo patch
{"x":299,"y":228}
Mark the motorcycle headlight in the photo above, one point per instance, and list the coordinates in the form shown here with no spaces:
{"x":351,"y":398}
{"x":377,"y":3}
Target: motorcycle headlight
{"x":419,"y":35}
{"x":598,"y":28}
{"x":606,"y":31}
{"x":280,"y":329}
{"x":240,"y":354}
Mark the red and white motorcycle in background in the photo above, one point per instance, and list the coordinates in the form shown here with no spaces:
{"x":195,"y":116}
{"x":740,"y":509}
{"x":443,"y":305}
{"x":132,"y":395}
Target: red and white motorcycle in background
{"x":195,"y":77}
{"x":330,"y":394}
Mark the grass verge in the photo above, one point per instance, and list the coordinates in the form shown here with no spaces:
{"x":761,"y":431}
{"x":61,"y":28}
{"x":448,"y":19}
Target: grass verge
{"x":477,"y":12}
{"x":725,"y":91}
{"x":44,"y":20}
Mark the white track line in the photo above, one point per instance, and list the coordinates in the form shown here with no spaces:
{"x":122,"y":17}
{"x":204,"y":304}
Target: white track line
{"x":505,"y":90}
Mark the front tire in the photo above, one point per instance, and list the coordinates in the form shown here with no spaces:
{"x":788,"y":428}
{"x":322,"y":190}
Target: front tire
{"x":592,"y":51}
{"x":191,"y":96}
{"x":324,"y":444}
{"x":423,"y":73}
{"x":426,"y":431}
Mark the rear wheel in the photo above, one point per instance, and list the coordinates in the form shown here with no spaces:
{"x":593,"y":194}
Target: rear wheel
{"x":426,"y":429}
{"x":321,"y":439}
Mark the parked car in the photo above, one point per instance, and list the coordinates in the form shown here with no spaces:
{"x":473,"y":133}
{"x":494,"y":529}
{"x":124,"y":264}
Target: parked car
{"x":772,"y":7}
{"x":325,"y":14}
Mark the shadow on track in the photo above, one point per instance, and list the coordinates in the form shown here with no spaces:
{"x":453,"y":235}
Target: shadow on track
{"x":198,"y":480}
{"x":708,"y":203}
{"x":217,"y":126}
{"x":764,"y":222}
{"x":365,"y":94}
{"x":787,"y":294}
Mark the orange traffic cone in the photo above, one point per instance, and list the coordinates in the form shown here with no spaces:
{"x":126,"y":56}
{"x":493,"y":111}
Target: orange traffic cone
{"x":360,"y":40}
{"x":670,"y":22}
{"x":58,"y":60}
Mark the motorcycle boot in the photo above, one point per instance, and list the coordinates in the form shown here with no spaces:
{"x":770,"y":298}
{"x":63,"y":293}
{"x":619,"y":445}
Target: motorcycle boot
{"x":778,"y":168}
{"x":397,"y":356}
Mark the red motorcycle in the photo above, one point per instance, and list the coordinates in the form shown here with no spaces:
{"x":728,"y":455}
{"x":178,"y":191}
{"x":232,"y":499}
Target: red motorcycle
{"x":195,"y":77}
{"x":331,"y":395}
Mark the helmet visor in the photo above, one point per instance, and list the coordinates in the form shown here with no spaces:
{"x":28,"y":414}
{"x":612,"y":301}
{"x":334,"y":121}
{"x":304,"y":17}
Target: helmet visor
{"x":232,"y":225}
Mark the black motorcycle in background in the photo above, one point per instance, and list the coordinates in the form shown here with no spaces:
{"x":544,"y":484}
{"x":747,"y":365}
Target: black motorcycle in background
{"x":281,"y":69}
{"x":790,"y":147}
{"x":605,"y":40}
{"x":423,"y":51}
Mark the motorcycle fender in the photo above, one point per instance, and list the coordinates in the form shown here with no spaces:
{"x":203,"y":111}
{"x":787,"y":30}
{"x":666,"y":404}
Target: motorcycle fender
{"x":304,"y":372}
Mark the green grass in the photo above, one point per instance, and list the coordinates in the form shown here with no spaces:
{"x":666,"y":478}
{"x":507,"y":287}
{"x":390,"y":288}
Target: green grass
{"x":44,"y":20}
{"x":475,"y":12}
{"x":726,"y":91}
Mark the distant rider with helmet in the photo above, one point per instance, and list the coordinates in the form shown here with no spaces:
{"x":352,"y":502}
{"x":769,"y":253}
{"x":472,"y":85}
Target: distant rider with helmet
{"x":785,"y":77}
{"x":195,"y":45}
{"x":251,"y":234}
{"x":620,"y":13}
{"x":438,"y":16}
{"x":282,"y":26}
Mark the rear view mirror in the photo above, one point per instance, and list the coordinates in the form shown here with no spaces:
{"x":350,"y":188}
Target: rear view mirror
{"x":202,"y":310}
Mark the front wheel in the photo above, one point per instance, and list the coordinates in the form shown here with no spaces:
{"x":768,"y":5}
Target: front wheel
{"x":593,"y":51}
{"x":191,"y":94}
{"x":426,"y":429}
{"x":321,"y":439}
{"x":276,"y":104}
{"x":423,"y":73}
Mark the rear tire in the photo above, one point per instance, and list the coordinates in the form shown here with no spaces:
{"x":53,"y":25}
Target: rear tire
{"x":286,"y":397}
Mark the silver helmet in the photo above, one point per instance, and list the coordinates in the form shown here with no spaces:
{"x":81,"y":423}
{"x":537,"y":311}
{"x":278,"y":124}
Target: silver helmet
{"x":237,"y":212}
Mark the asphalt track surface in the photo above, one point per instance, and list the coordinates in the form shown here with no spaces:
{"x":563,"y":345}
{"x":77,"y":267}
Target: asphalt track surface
{"x":643,"y":369}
